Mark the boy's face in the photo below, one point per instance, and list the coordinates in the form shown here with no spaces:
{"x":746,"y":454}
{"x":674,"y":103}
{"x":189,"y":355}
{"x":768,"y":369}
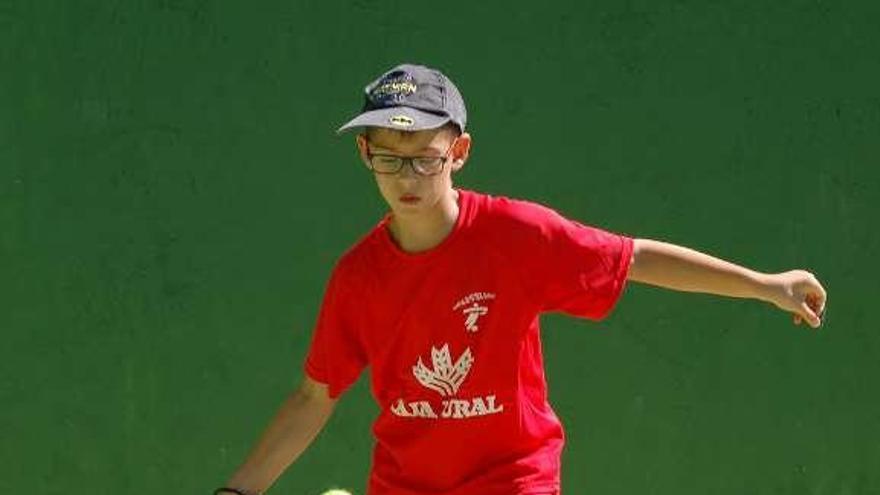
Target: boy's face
{"x":407,"y":192}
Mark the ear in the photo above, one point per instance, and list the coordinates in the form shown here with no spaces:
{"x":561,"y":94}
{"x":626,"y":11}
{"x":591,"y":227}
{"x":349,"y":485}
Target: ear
{"x":461,"y":151}
{"x":361,"y":142}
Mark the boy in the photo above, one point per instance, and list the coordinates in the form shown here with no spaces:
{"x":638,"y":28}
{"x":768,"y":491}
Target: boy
{"x":441,"y":300}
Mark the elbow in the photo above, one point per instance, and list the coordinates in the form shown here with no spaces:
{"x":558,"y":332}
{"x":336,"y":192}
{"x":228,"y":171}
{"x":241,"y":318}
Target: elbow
{"x":313,"y":391}
{"x":637,"y":261}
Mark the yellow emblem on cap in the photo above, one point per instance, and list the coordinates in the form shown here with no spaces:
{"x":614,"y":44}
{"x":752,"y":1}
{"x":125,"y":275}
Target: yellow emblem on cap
{"x":401,"y":120}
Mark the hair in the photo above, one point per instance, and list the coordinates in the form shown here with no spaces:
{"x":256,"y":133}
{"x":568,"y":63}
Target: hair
{"x":448,"y":127}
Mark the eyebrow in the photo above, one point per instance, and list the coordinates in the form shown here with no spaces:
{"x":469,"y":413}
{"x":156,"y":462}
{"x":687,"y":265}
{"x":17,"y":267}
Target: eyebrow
{"x":429,"y":149}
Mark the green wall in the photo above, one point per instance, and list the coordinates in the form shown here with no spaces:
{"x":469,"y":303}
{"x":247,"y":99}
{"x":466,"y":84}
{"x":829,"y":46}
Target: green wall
{"x":173,"y":197}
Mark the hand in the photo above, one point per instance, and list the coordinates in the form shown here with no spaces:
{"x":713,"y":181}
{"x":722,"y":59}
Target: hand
{"x":798,"y":292}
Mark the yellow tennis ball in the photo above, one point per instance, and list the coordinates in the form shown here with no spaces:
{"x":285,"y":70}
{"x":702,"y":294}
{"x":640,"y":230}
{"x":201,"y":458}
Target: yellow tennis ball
{"x":336,"y":491}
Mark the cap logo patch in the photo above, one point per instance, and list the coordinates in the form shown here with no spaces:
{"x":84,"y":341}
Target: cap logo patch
{"x":401,"y":120}
{"x":393,"y":89}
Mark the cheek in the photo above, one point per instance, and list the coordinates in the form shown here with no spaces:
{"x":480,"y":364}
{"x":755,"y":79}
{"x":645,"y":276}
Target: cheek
{"x":437,"y":188}
{"x":386,"y":187}
{"x":444,"y":181}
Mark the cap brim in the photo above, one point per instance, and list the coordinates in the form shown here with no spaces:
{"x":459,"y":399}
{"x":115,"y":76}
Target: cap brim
{"x":398,"y":118}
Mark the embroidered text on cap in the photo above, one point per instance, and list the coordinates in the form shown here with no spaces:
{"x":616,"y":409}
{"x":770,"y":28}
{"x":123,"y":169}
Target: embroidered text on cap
{"x":394,"y":88}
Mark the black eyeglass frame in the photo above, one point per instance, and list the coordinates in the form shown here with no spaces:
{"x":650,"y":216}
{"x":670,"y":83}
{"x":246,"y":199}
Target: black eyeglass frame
{"x":408,"y":159}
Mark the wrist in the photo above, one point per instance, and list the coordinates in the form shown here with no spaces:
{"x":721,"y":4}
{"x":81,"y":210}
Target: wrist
{"x":762,"y":286}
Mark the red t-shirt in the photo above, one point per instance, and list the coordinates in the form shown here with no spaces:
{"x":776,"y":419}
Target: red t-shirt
{"x":451,"y":336}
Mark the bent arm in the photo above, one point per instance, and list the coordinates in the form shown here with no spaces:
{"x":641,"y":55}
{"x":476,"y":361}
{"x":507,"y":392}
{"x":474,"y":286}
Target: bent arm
{"x":680,"y":268}
{"x":295,"y":425}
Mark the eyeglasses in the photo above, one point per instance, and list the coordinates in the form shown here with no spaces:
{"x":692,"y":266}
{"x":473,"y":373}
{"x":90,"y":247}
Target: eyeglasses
{"x":385,"y":164}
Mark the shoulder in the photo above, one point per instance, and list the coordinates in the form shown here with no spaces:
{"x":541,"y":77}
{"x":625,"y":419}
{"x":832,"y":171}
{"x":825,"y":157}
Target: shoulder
{"x":514,"y":213}
{"x":354,"y":263}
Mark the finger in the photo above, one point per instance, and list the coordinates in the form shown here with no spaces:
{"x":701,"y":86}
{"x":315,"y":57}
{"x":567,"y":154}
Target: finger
{"x":822,"y":291}
{"x":797,"y":319}
{"x":807,"y":314}
{"x":821,"y":295}
{"x":820,"y":304}
{"x":817,"y":304}
{"x":820,"y":314}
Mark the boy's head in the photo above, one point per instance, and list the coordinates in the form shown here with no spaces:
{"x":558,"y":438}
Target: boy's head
{"x":412,"y":136}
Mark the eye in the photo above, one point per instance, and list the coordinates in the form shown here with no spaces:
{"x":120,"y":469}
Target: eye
{"x":385,"y":160}
{"x":427,"y":161}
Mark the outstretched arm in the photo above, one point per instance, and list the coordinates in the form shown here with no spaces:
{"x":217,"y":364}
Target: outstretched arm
{"x":680,"y":268}
{"x":294,"y":427}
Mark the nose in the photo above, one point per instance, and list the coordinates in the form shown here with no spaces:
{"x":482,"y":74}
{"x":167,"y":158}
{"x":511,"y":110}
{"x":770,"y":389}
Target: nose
{"x":408,"y":171}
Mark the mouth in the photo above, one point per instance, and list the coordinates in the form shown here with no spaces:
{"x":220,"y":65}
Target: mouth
{"x":409,"y":199}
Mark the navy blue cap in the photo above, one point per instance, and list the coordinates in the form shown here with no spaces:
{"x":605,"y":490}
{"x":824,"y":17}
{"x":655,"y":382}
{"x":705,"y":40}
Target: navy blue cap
{"x":410,"y":98}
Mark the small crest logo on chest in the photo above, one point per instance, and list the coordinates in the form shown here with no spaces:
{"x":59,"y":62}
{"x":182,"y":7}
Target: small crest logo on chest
{"x":473,"y":307}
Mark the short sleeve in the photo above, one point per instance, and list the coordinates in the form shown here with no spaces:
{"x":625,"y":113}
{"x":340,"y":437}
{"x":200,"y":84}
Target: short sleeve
{"x":336,"y":357}
{"x":581,"y":270}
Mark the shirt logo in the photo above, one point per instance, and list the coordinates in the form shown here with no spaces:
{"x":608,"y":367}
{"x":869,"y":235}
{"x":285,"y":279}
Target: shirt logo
{"x":472,"y":313}
{"x":472,"y":310}
{"x":446,"y":377}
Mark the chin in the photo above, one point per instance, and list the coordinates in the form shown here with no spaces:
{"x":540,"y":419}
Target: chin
{"x":406,"y":209}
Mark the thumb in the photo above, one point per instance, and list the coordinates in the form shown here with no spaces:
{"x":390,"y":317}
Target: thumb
{"x":808,"y":315}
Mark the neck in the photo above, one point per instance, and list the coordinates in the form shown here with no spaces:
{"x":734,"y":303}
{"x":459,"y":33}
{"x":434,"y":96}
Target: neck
{"x":416,"y":233}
